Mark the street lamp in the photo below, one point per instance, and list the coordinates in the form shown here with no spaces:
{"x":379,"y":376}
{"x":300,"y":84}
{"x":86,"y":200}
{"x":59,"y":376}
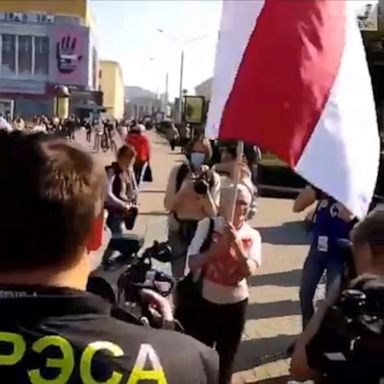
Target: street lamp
{"x":182,"y":44}
{"x":165,"y":101}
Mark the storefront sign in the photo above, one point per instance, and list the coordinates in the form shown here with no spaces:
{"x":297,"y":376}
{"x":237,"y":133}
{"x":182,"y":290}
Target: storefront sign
{"x":368,"y":16}
{"x":71,"y":55}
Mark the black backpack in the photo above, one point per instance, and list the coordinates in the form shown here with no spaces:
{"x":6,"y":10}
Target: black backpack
{"x":182,"y":173}
{"x":188,"y":292}
{"x":349,"y":346}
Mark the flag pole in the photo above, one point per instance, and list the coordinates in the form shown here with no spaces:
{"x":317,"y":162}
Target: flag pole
{"x":237,"y":174}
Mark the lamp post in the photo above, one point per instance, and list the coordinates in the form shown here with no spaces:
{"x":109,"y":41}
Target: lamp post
{"x":181,"y":86}
{"x":164,"y":101}
{"x":182,"y":44}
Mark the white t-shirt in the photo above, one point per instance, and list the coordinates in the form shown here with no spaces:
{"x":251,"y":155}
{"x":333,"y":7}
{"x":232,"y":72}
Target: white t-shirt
{"x":5,"y":125}
{"x":217,"y":293}
{"x":39,"y":128}
{"x":99,"y":129}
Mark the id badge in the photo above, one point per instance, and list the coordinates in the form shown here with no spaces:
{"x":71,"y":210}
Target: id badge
{"x":322,"y":244}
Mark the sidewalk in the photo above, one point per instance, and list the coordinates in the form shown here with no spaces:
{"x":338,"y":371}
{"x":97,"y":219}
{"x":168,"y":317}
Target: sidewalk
{"x":273,"y":318}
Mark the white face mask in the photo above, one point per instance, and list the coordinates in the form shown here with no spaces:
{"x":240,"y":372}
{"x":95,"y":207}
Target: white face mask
{"x":197,"y":159}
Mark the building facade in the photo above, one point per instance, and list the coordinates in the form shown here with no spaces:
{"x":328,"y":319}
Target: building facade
{"x":112,"y":86}
{"x":204,"y":89}
{"x":45,"y":45}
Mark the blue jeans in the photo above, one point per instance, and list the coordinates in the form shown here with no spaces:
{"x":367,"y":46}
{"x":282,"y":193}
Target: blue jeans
{"x":315,"y":265}
{"x":116,"y":226}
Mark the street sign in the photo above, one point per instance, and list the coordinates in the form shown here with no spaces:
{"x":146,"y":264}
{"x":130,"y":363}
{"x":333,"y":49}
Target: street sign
{"x":194,"y":109}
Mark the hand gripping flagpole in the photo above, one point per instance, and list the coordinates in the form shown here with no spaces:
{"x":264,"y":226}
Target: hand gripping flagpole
{"x":237,"y":176}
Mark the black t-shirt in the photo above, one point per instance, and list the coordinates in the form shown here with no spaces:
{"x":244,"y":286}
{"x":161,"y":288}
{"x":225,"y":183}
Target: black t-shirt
{"x":70,"y":124}
{"x":68,"y":336}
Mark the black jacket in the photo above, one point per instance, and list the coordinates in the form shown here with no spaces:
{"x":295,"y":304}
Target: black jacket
{"x":63,"y":333}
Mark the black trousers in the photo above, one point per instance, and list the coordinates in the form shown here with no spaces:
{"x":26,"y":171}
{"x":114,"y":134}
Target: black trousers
{"x":220,"y":326}
{"x":89,"y":135}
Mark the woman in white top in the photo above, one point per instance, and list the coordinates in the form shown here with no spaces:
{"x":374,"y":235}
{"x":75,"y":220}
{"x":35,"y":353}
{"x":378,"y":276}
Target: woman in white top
{"x":233,"y":256}
{"x":186,"y":204}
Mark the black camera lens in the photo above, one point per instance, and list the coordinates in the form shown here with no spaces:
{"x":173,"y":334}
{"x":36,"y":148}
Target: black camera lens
{"x":201,"y":187}
{"x":352,"y":301}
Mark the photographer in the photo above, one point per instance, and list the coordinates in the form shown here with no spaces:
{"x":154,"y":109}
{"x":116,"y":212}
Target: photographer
{"x":122,"y":195}
{"x":51,"y":329}
{"x":192,"y":194}
{"x":325,"y":334}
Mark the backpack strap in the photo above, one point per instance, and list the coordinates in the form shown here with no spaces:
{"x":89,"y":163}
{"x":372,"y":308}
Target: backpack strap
{"x":208,"y":239}
{"x":211,"y":181}
{"x":181,"y":174}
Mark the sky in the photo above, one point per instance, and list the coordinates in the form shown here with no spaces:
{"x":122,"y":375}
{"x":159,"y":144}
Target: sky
{"x":127,"y":31}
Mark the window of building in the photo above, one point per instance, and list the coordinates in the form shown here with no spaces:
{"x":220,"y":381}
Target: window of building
{"x":25,"y":54}
{"x":95,"y":71}
{"x":8,"y":54}
{"x":41,"y":55}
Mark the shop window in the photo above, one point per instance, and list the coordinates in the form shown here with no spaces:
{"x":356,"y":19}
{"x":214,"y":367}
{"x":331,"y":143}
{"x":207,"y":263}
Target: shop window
{"x":8,"y":54}
{"x":41,"y":55}
{"x":25,"y":53}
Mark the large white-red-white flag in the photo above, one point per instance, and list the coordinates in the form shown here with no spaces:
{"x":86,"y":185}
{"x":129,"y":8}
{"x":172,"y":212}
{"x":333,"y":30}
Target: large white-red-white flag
{"x":291,"y":76}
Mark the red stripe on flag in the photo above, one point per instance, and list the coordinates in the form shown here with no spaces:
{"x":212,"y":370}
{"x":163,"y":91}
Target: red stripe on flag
{"x":286,"y":74}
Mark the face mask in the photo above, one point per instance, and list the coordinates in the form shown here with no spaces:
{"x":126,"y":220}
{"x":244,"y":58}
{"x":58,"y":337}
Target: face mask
{"x":197,"y":159}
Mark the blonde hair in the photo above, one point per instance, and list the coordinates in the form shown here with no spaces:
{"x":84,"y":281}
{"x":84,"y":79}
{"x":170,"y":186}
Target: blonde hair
{"x":227,"y":192}
{"x":205,"y":142}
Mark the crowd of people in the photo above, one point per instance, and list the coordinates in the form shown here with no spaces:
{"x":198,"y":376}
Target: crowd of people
{"x":43,"y":124}
{"x":210,"y":198}
{"x":101,"y":128}
{"x":214,"y":251}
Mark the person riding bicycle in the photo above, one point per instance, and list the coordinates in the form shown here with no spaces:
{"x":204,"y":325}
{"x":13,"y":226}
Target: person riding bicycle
{"x":51,"y":329}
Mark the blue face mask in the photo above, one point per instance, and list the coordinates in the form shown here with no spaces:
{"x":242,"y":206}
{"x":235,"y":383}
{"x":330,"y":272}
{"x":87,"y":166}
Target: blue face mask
{"x":197,"y":159}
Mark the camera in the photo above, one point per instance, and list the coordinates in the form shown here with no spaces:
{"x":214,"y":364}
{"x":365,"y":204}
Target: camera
{"x":201,"y":187}
{"x":201,"y":184}
{"x":126,"y":298}
{"x":141,"y":275}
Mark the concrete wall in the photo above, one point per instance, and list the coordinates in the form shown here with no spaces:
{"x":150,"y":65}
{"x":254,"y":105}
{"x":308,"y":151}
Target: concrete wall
{"x":93,"y":62}
{"x":204,"y":89}
{"x":112,"y":86}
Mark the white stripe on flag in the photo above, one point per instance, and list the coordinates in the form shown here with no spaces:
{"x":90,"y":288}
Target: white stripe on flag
{"x":342,"y":155}
{"x":238,"y":21}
